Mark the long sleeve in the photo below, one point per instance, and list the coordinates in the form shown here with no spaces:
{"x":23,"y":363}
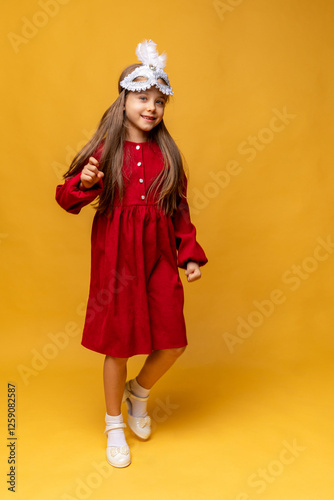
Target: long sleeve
{"x":185,"y":236}
{"x":71,"y":198}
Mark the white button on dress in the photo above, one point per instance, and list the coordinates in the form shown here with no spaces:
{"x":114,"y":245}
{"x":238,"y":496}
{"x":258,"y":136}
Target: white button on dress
{"x":142,"y":197}
{"x":141,"y":180}
{"x":139,"y":164}
{"x":137,"y":147}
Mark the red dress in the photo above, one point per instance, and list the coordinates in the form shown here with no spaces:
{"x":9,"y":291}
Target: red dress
{"x":136,"y":297}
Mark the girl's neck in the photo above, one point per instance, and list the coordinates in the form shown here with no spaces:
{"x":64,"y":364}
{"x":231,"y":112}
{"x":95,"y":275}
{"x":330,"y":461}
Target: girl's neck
{"x":136,"y":136}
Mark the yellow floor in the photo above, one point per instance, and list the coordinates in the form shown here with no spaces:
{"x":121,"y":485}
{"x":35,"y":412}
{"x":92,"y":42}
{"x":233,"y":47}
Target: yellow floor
{"x":231,"y":433}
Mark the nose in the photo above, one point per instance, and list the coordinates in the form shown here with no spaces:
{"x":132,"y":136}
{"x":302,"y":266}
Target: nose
{"x":150,"y":106}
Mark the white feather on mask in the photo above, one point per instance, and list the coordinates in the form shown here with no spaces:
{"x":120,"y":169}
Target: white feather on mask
{"x":148,"y":54}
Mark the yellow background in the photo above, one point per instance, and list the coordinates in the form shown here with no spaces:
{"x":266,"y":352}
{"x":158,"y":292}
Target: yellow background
{"x":228,"y":411}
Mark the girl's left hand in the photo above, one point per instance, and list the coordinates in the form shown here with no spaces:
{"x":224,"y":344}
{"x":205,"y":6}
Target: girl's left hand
{"x":193,"y":271}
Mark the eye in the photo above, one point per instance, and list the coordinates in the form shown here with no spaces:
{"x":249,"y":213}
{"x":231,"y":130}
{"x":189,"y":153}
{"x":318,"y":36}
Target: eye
{"x":142,"y":97}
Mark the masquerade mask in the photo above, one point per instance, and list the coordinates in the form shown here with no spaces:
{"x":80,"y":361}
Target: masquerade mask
{"x":151,"y":71}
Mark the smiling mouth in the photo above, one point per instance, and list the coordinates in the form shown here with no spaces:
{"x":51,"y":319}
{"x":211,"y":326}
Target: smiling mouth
{"x":148,"y":118}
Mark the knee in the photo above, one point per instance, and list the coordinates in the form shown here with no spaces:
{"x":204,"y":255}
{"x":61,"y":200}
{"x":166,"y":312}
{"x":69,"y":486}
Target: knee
{"x":177,"y":351}
{"x":117,"y":361}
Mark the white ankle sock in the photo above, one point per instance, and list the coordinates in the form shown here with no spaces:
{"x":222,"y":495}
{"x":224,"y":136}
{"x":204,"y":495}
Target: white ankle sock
{"x":138,"y":407}
{"x":116,"y":437}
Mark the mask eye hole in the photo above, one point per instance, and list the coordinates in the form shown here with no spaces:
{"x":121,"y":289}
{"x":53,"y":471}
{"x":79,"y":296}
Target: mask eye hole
{"x":140,"y":79}
{"x":162,"y":81}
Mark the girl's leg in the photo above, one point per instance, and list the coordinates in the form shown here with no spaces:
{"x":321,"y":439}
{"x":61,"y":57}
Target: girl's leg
{"x":156,"y":365}
{"x":138,"y":389}
{"x":114,"y":376}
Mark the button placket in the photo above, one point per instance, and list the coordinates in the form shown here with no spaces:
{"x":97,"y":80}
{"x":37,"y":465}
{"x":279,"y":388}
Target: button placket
{"x":141,"y":189}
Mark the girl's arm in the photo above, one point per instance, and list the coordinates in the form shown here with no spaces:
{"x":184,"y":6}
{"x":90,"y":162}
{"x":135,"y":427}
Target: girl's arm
{"x":185,"y":236}
{"x":72,"y":196}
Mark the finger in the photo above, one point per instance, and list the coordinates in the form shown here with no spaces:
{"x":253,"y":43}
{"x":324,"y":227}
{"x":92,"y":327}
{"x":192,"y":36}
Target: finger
{"x":93,"y":161}
{"x":189,"y":271}
{"x":90,"y":174}
{"x":87,"y":172}
{"x":193,"y":278}
{"x":92,"y":169}
{"x":87,"y":179}
{"x":195,"y":274}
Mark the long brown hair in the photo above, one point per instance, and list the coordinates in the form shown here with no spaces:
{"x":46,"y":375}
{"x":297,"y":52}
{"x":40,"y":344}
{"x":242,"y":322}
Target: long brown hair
{"x":112,"y":132}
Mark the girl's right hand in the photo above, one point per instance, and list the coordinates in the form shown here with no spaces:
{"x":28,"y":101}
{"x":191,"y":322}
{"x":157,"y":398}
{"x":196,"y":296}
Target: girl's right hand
{"x":90,"y":174}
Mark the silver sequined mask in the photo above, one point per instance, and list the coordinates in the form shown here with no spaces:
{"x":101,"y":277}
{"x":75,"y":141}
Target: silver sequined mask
{"x":151,"y":70}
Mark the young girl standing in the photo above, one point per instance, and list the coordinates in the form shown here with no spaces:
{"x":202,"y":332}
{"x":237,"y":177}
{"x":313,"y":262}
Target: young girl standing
{"x":141,"y":234}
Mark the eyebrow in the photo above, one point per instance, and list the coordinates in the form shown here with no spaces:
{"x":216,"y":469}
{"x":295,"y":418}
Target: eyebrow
{"x":146,"y":93}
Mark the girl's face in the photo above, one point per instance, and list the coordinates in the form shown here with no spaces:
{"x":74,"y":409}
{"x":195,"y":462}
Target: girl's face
{"x":144,"y":110}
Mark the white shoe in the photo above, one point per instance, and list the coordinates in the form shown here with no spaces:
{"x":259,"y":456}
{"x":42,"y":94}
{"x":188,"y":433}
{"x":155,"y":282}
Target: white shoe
{"x":141,"y":426}
{"x":118,"y":456}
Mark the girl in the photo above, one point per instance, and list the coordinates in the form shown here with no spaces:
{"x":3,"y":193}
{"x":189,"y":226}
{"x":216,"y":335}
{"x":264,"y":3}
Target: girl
{"x":141,"y":234}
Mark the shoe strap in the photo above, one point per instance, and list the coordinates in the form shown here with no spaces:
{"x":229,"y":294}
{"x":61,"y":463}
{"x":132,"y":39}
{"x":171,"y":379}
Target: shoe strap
{"x":114,"y":426}
{"x":132,"y":396}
